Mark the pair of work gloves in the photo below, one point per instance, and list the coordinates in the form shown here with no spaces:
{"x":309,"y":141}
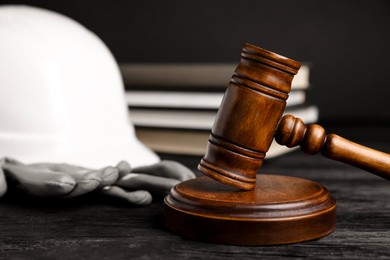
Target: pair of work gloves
{"x":66,"y":181}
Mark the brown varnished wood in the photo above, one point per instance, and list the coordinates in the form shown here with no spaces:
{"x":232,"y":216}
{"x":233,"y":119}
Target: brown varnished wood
{"x":248,"y":116}
{"x":240,"y":208}
{"x":313,"y":139}
{"x":280,"y":210}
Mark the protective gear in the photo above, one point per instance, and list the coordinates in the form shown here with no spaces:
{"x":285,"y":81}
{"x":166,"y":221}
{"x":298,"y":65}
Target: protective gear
{"x":61,"y":94}
{"x":55,"y":180}
{"x":64,"y":181}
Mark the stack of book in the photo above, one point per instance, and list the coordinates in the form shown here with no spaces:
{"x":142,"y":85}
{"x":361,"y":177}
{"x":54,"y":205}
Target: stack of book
{"x":173,"y":106}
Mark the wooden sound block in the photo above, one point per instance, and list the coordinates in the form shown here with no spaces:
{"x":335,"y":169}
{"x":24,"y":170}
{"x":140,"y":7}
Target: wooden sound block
{"x":280,"y":210}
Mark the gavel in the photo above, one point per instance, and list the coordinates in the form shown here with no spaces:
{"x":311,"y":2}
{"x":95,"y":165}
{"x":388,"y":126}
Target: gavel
{"x":250,"y":116}
{"x":237,"y":206}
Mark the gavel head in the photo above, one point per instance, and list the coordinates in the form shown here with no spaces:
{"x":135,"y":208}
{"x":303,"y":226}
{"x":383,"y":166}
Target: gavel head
{"x":248,"y":117}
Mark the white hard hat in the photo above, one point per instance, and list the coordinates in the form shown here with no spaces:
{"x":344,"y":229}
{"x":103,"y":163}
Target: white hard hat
{"x":61,"y":94}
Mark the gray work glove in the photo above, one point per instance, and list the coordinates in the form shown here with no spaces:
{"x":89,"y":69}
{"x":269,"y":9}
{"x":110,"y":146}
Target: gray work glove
{"x":63,"y":180}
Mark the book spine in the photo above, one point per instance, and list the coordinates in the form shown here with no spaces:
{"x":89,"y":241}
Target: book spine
{"x":190,"y":76}
{"x":185,"y":100}
{"x":199,"y":120}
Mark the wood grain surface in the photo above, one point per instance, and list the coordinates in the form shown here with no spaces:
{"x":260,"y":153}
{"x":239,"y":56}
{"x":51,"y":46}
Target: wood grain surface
{"x":248,"y":117}
{"x":313,"y":139}
{"x":96,"y":228}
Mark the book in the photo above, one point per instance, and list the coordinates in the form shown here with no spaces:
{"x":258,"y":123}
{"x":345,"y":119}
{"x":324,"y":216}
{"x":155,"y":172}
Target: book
{"x":187,"y":76}
{"x":173,"y":106}
{"x":190,"y":100}
{"x":190,"y":142}
{"x":195,"y":119}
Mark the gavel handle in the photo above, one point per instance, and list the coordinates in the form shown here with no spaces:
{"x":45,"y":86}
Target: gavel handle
{"x":313,"y":139}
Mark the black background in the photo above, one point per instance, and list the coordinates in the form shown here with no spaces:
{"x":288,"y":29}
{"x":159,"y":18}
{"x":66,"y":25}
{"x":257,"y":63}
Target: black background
{"x":347,"y":42}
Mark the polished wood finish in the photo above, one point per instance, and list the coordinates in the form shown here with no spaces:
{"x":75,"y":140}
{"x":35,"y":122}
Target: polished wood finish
{"x":248,"y":116}
{"x":280,"y":210}
{"x":313,"y":139}
{"x":238,"y":209}
{"x":248,"y":119}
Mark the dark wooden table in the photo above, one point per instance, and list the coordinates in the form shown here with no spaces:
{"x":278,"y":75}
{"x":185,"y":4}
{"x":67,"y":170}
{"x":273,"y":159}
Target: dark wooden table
{"x":93,"y":227}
